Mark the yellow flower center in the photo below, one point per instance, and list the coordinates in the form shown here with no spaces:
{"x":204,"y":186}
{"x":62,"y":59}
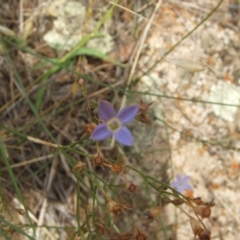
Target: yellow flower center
{"x":114,"y":124}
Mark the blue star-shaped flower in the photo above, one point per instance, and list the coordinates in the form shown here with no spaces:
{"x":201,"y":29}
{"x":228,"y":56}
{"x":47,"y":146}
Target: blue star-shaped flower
{"x":113,"y":123}
{"x":181,"y":184}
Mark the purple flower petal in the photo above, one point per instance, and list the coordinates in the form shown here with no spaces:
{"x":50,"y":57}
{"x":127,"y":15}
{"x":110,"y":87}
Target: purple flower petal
{"x":185,"y":179}
{"x":124,"y":136}
{"x":101,"y":132}
{"x":176,"y":186}
{"x":179,"y":178}
{"x":187,"y":187}
{"x":105,"y":110}
{"x":127,"y":114}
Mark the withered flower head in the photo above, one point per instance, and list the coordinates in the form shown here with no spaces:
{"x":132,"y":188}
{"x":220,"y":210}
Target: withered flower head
{"x":197,"y":200}
{"x":177,"y":201}
{"x":143,"y":107}
{"x":205,"y":235}
{"x":162,"y":187}
{"x":132,"y":187}
{"x":143,"y":111}
{"x":211,"y":204}
{"x":88,"y":129}
{"x":114,"y":207}
{"x":79,"y":167}
{"x":115,"y":167}
{"x":203,"y":210}
{"x":153,"y":213}
{"x":143,"y":118}
{"x":196,"y":227}
{"x":98,"y":158}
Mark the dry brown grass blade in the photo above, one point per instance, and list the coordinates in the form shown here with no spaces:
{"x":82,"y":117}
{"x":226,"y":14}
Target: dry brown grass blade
{"x":139,"y":48}
{"x":37,"y":140}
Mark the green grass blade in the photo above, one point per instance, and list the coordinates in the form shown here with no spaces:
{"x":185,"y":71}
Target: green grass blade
{"x":13,"y":179}
{"x":17,"y":229}
{"x":94,"y":53}
{"x":2,"y":233}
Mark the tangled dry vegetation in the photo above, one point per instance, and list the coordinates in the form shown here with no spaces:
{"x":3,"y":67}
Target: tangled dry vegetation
{"x":57,"y":58}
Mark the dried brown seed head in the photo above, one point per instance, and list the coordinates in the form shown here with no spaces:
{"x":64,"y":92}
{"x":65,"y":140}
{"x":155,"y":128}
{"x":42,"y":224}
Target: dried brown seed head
{"x":197,"y":201}
{"x":195,"y":225}
{"x":89,"y":128}
{"x":203,"y":211}
{"x":114,"y":207}
{"x":143,"y":107}
{"x":162,"y":187}
{"x":98,"y":158}
{"x":132,"y":187}
{"x":143,"y":111}
{"x":177,"y":202}
{"x":79,"y":167}
{"x":116,"y":168}
{"x":211,"y":204}
{"x":143,"y":118}
{"x":205,"y":235}
{"x":153,"y":213}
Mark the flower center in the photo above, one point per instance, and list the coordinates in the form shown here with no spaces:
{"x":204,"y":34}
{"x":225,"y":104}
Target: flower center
{"x":114,"y":124}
